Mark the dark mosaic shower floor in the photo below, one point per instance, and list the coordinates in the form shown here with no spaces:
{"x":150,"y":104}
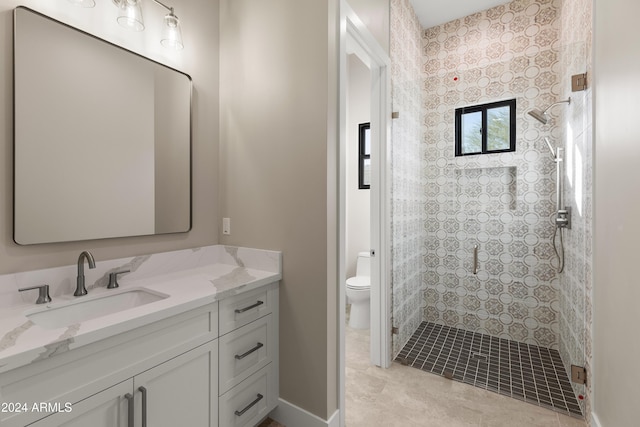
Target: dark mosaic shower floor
{"x":522,"y":371}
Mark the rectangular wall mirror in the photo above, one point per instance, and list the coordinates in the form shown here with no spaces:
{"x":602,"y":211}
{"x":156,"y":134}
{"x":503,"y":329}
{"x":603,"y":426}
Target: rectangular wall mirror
{"x":102,"y":142}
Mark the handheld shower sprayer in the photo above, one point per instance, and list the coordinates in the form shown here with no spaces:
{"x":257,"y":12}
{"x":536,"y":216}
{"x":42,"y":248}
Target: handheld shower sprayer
{"x":563,"y":216}
{"x":541,"y":116}
{"x":553,"y":152}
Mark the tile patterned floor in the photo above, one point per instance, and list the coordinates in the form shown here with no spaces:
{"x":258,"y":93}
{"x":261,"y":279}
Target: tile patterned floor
{"x":521,"y":371}
{"x":402,"y":396}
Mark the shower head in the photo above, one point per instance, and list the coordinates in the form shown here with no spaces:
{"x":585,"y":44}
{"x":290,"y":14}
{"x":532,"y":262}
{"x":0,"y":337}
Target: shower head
{"x":541,"y":116}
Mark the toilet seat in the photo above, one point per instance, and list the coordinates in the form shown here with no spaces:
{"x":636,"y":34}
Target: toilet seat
{"x":359,"y":282}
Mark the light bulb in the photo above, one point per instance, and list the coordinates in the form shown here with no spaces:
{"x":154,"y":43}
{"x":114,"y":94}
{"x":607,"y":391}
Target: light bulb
{"x":83,"y":3}
{"x":171,"y":33}
{"x":130,"y":15}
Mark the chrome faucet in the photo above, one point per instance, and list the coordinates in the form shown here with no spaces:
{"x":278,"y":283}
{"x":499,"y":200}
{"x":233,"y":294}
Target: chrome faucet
{"x":80,"y":289}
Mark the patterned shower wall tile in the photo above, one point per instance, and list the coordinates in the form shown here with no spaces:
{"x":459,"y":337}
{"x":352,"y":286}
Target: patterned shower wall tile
{"x":494,"y":307}
{"x":409,"y":245}
{"x":494,"y":287}
{"x":503,"y":203}
{"x":471,"y":303}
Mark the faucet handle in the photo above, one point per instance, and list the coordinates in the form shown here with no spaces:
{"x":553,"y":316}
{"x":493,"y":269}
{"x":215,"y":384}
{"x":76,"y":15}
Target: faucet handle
{"x":43,"y":295}
{"x":113,"y":279}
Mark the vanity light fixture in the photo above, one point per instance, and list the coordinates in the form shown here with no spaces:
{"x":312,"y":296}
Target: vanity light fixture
{"x":130,"y":14}
{"x":171,"y":33}
{"x":83,"y":3}
{"x":130,"y":17}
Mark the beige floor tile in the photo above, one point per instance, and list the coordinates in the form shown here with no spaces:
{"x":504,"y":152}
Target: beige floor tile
{"x":407,"y":397}
{"x":425,"y":407}
{"x":566,"y":421}
{"x":521,"y":418}
{"x":361,"y":387}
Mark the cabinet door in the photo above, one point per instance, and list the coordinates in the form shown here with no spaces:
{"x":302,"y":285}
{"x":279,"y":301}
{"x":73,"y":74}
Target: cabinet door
{"x":109,"y":408}
{"x":180,"y":392}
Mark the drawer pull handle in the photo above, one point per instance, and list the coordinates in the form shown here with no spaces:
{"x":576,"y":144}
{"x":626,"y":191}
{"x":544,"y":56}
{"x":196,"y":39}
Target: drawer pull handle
{"x":130,"y":420}
{"x":248,"y":352}
{"x":249,"y":406}
{"x":144,"y":405}
{"x":242,"y":310}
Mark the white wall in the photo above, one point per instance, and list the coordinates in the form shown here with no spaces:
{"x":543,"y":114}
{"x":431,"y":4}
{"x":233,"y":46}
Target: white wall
{"x":375,"y":15}
{"x":358,"y":201}
{"x":617,"y":213}
{"x":199,"y":59}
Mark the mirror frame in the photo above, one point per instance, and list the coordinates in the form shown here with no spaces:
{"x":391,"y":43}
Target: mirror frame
{"x":189,"y":145}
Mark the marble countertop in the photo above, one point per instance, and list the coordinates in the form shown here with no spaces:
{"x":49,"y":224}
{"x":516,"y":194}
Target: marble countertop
{"x":22,"y":341}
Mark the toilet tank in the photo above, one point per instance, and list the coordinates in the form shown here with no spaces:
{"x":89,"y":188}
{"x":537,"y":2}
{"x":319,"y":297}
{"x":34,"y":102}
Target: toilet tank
{"x":363,"y":264}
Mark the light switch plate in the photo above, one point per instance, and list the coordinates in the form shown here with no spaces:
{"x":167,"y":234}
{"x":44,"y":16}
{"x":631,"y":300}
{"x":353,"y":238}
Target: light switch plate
{"x":226,"y":226}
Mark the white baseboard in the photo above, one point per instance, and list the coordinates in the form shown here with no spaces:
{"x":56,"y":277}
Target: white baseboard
{"x":595,"y":422}
{"x":290,"y":415}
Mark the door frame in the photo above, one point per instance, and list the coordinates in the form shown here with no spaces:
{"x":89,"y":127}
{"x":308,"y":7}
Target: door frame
{"x":356,"y":38}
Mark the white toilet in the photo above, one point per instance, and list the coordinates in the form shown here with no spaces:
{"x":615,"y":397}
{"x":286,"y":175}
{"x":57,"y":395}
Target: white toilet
{"x":359,"y":293}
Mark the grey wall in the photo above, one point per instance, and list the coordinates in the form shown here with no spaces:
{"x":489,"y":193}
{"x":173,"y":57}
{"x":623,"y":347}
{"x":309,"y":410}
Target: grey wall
{"x":278,"y":102}
{"x":616,"y":211}
{"x":199,"y":59}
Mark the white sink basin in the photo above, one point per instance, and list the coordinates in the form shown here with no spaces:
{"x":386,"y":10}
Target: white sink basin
{"x":86,"y":308}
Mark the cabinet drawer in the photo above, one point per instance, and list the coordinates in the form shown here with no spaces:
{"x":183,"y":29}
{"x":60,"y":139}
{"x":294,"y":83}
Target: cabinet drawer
{"x":241,"y":309}
{"x":250,"y":401}
{"x":244,"y":351}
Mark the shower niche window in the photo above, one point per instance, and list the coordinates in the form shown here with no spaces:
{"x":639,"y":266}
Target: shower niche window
{"x":487,"y":128}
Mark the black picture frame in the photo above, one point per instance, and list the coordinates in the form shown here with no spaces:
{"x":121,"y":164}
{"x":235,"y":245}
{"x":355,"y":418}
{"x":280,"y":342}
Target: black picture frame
{"x":364,"y":156}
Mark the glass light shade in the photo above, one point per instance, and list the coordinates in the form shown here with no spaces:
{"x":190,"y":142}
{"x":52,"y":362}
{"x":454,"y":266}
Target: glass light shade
{"x":130,"y":15}
{"x":171,"y":34}
{"x":83,"y":3}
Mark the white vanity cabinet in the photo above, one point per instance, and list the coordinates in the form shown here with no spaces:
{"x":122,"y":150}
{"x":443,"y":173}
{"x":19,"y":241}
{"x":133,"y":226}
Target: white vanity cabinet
{"x":248,"y":346}
{"x":181,"y":391}
{"x":168,"y":371}
{"x":105,"y":409}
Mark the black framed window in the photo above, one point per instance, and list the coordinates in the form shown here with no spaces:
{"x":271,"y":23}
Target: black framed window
{"x":364,"y":156}
{"x":486,"y":128}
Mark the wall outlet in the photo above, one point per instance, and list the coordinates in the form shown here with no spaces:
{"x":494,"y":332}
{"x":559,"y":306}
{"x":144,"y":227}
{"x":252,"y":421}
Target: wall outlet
{"x":226,"y":226}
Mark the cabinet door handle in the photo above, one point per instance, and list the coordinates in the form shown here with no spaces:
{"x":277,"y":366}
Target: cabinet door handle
{"x":248,"y":352}
{"x":242,"y":310}
{"x":129,"y":398}
{"x":144,"y":405}
{"x":249,"y":406}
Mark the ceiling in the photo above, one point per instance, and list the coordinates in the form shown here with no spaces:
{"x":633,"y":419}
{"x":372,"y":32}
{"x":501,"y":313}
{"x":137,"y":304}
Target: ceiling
{"x":436,"y":12}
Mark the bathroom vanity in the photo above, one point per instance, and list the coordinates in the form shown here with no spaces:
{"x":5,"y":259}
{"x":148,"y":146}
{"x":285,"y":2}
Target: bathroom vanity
{"x":203,"y":351}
